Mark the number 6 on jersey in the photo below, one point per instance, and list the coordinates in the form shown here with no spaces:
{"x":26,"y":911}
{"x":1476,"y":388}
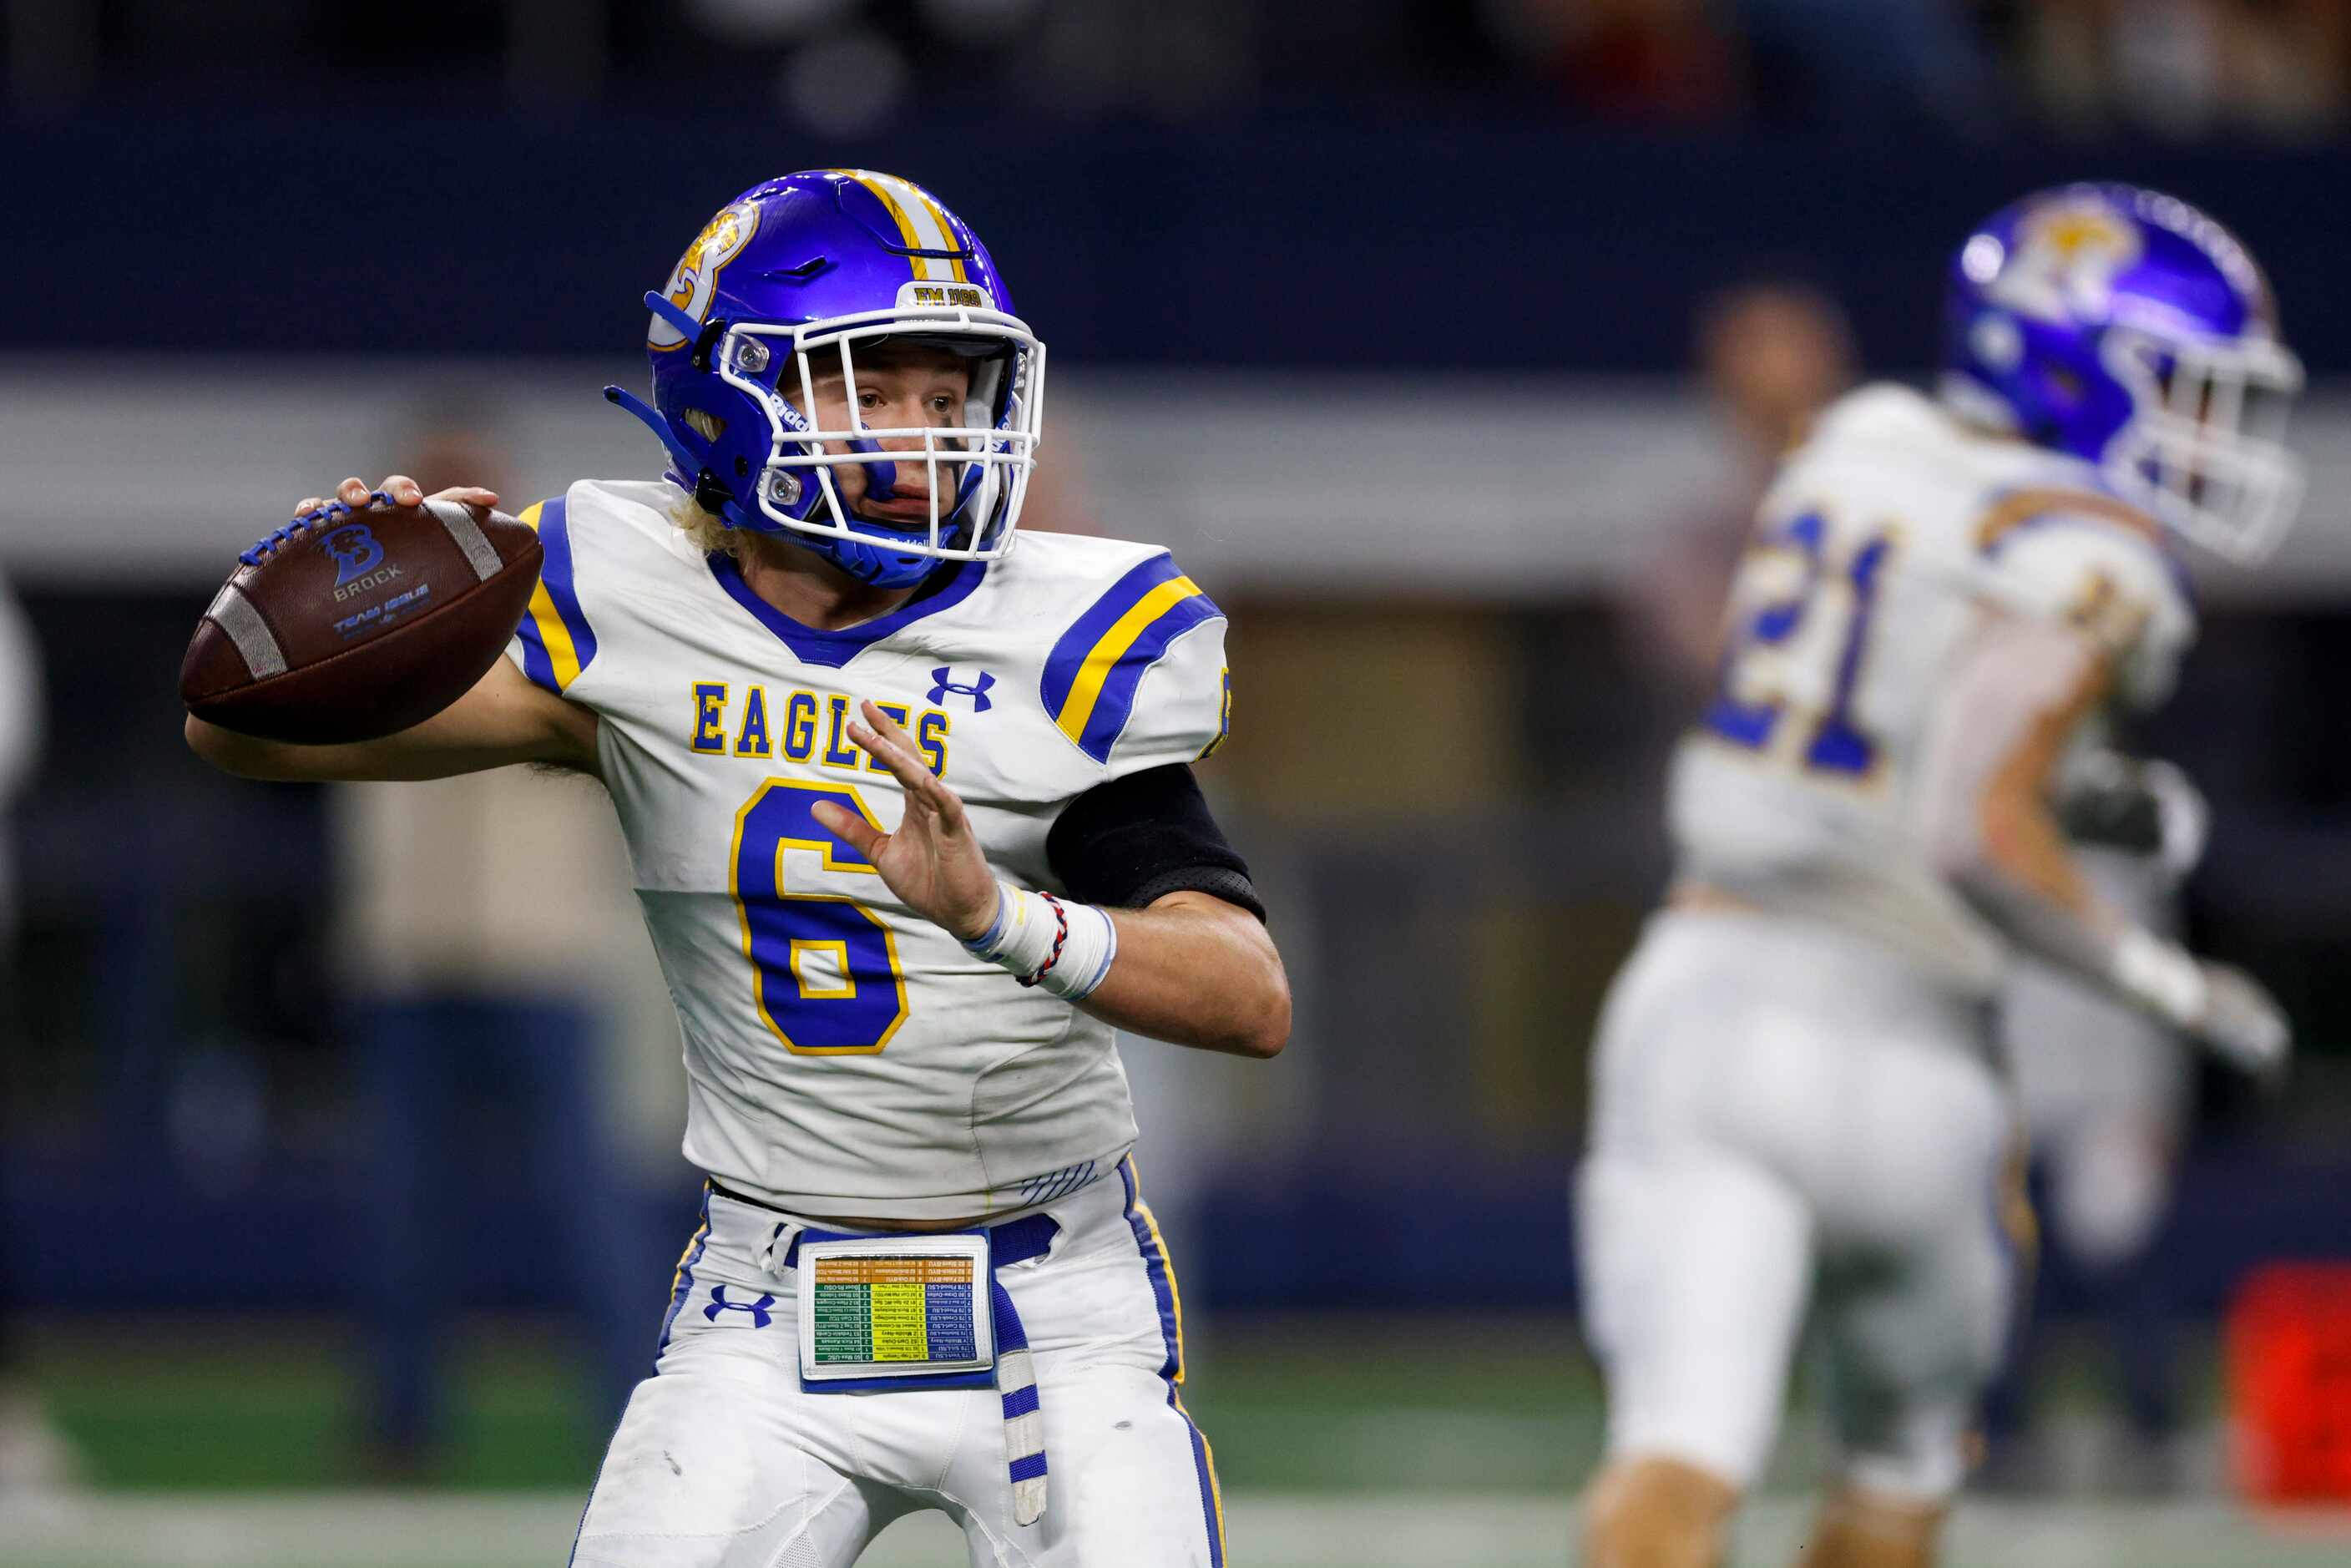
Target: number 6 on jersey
{"x":824,"y":968}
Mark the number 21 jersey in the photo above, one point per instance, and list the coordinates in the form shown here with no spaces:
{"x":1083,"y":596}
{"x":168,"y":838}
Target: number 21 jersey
{"x":1884,"y":542}
{"x":845,"y":1056}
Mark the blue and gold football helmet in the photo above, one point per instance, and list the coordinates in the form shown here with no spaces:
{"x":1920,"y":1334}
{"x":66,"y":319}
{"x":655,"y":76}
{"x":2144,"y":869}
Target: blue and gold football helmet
{"x":2126,"y":328}
{"x":829,"y":262}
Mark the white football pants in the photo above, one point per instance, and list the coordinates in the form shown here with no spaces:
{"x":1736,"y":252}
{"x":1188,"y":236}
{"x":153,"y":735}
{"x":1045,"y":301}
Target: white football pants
{"x":723,"y":1461}
{"x":1785,"y":1116}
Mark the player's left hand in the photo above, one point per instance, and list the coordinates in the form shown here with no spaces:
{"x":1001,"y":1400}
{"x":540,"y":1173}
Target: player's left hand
{"x":2147,"y":806}
{"x":932,"y":861}
{"x":2242,"y":1023}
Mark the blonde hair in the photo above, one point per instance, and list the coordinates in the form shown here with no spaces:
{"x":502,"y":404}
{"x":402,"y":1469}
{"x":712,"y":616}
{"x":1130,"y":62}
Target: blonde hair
{"x":705,"y":533}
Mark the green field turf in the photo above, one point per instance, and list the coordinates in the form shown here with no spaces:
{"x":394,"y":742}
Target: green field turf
{"x":1266,"y":1529}
{"x":1497,"y":1405}
{"x":1453,"y":1443}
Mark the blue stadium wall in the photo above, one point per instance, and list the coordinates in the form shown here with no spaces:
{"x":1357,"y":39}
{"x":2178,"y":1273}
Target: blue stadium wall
{"x":1250,"y":243}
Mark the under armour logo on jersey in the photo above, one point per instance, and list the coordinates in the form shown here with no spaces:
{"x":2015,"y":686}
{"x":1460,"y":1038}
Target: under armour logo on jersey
{"x":976,"y":691}
{"x":760,"y":1316}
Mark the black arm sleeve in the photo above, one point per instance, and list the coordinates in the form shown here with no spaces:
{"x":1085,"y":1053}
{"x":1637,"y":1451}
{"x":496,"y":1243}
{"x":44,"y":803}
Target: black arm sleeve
{"x":1136,"y":839}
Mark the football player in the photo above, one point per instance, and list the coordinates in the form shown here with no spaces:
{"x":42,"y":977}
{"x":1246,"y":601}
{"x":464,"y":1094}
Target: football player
{"x":915,"y":829}
{"x":1795,"y":1101}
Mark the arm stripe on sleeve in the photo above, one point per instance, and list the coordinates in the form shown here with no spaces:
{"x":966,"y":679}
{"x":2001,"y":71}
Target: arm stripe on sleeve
{"x":2021,"y":509}
{"x":535,"y":663}
{"x":1092,"y":673}
{"x":1062,"y":664}
{"x":556,"y":641}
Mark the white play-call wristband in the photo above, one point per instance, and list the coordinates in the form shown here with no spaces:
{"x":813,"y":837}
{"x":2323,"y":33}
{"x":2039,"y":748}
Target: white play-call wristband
{"x":1062,"y":945}
{"x":2160,"y":976}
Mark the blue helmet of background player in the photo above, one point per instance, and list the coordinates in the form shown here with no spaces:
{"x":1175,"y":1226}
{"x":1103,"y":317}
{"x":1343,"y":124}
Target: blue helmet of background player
{"x":2126,"y":328}
{"x":791,"y":281}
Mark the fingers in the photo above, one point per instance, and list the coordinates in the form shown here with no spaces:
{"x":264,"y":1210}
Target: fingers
{"x":904,"y":766}
{"x":401,"y":490}
{"x":353,"y":496}
{"x":310,"y":506}
{"x":406,"y":492}
{"x":886,"y":742}
{"x":850,"y":828}
{"x":886,"y":725}
{"x":470,"y":495}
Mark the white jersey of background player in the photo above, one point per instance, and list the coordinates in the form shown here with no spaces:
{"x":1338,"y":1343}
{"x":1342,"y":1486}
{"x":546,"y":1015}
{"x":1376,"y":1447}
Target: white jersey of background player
{"x":1795,"y":1101}
{"x":883,"y":779}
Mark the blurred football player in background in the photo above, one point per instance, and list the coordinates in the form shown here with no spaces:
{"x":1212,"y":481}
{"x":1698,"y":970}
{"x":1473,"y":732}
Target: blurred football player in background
{"x":913,"y":828}
{"x":1795,"y":1100}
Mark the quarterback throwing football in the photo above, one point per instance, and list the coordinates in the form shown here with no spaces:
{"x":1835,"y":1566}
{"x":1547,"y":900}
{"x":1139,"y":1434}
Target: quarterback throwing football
{"x":1795,"y":1101}
{"x":913,"y":825}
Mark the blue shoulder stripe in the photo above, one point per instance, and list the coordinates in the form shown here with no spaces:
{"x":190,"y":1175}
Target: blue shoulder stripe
{"x":556,"y":641}
{"x":1093,"y":674}
{"x":2029,"y":509}
{"x":1062,"y":665}
{"x":1116,"y":704}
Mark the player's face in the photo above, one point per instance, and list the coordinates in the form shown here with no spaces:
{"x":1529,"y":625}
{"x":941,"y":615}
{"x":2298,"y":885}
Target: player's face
{"x":899,"y":386}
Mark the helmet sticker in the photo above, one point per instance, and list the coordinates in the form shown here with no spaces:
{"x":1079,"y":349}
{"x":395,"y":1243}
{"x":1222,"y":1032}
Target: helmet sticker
{"x":965,"y":296}
{"x":2067,"y":257}
{"x":694,"y":283}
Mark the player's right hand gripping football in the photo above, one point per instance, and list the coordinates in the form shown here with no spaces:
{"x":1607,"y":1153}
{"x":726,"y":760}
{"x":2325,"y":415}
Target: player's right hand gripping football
{"x":501,"y":720}
{"x":2242,"y":1023}
{"x":404,"y":492}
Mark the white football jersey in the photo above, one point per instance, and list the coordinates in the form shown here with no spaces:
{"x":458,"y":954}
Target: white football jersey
{"x":1885,"y":539}
{"x":844,"y":1055}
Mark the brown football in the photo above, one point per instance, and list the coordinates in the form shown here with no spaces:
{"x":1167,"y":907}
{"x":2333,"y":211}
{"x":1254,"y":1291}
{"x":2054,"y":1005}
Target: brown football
{"x":361,"y":624}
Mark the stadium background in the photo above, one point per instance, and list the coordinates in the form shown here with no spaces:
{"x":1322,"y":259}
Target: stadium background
{"x":1383,"y":315}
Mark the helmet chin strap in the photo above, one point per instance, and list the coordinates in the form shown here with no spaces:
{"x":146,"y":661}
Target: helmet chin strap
{"x":966,"y":489}
{"x":650,"y":418}
{"x":708,"y":494}
{"x":881,"y":477}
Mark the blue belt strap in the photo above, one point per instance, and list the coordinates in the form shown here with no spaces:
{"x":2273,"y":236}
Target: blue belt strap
{"x":1014,"y":1241}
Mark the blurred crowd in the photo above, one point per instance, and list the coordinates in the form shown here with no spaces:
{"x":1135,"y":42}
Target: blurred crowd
{"x":2172,"y":68}
{"x":2241,"y":69}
